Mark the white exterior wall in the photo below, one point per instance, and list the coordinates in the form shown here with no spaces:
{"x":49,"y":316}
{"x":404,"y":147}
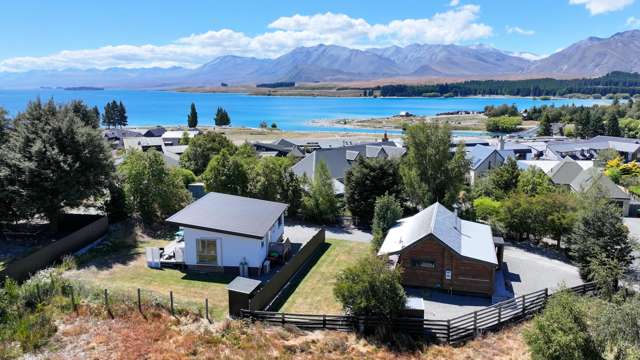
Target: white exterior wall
{"x":231,"y":248}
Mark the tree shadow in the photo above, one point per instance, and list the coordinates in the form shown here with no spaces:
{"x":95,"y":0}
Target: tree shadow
{"x":210,"y":277}
{"x":120,"y":247}
{"x":542,"y":250}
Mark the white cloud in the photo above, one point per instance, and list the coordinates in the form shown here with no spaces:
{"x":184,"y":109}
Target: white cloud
{"x":633,"y":21}
{"x":284,"y":34}
{"x":454,"y":3}
{"x":596,"y":7}
{"x":519,"y":30}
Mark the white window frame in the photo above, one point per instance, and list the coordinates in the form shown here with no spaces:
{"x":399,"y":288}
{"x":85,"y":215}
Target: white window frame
{"x":218,"y":251}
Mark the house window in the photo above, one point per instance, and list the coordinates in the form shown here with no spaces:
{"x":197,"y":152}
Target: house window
{"x":262,"y":243}
{"x":207,"y":252}
{"x":422,"y":263}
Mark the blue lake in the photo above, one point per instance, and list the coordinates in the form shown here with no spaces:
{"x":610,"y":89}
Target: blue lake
{"x":146,"y":108}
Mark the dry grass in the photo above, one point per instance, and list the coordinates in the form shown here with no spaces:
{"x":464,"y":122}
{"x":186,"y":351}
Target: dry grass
{"x":160,"y":336}
{"x":314,"y":294}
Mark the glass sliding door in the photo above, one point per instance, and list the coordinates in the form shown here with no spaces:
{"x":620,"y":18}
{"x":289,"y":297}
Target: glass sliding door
{"x":207,"y":252}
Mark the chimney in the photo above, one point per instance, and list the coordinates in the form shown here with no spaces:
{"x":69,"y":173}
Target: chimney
{"x":501,"y":143}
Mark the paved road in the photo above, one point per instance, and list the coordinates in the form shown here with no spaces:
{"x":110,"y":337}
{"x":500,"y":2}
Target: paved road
{"x":528,"y":271}
{"x":296,"y":230}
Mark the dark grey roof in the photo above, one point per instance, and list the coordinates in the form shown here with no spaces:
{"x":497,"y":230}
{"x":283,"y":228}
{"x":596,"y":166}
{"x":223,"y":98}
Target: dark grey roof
{"x":564,"y":172}
{"x":243,"y":285}
{"x":585,"y":180}
{"x":230,"y":214}
{"x":155,"y":132}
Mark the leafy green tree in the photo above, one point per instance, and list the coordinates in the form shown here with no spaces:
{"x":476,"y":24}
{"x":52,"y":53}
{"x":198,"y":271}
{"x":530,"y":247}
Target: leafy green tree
{"x":516,"y":216}
{"x":560,"y":332}
{"x":534,"y":181}
{"x":86,"y":115}
{"x":116,"y":205}
{"x":4,"y":125}
{"x":192,"y":119}
{"x":153,"y":191}
{"x":201,"y":150}
{"x":274,"y":125}
{"x":486,"y":209}
{"x":561,"y":212}
{"x":386,"y":213}
{"x":187,"y":176}
{"x":503,"y":124}
{"x":226,"y":174}
{"x":370,"y":288}
{"x":222,"y":117}
{"x":606,"y":273}
{"x":185,"y":139}
{"x":365,"y":181}
{"x":320,"y":203}
{"x":544,"y":129}
{"x":52,"y":160}
{"x":291,"y":193}
{"x":599,"y":230}
{"x":429,"y":173}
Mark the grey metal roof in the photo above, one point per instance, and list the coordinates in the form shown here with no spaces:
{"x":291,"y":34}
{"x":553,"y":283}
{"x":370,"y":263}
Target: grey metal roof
{"x":243,"y":285}
{"x":467,"y":238}
{"x":230,"y":214}
{"x":479,"y":153}
{"x":585,"y":180}
{"x":564,"y":172}
{"x":336,"y":160}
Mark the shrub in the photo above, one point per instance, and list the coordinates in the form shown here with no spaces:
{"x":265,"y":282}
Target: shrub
{"x":504,"y":124}
{"x":320,"y":204}
{"x":560,"y":332}
{"x":486,"y":208}
{"x":370,"y":288}
{"x":187,"y":176}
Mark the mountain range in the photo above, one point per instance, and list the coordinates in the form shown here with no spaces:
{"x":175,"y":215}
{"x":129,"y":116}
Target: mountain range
{"x":330,"y":63}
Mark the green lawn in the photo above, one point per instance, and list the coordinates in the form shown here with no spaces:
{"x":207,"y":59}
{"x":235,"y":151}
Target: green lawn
{"x":125,"y":270}
{"x":314,"y":294}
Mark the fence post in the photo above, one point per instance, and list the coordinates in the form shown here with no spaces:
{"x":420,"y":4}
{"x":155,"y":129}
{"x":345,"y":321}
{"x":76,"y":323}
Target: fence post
{"x":448,"y":331}
{"x":73,"y":300}
{"x":499,"y":314}
{"x":171,"y":299}
{"x":282,"y":314}
{"x":324,"y":321}
{"x":106,"y":298}
{"x":475,"y":323}
{"x":524,"y":307}
{"x":139,"y":301}
{"x":38,"y":292}
{"x":584,"y":288}
{"x":206,"y":309}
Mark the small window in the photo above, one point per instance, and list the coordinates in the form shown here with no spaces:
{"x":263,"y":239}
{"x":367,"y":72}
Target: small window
{"x":422,"y":263}
{"x":262,"y":243}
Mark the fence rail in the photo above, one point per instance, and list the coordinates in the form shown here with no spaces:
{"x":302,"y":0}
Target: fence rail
{"x":455,"y":330}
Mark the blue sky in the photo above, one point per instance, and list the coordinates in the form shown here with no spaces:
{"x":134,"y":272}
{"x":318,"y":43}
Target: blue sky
{"x":142,"y":33}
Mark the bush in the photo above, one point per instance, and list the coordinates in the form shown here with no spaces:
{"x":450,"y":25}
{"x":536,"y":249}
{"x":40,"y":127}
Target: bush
{"x":561,"y":333}
{"x":116,"y":205}
{"x":320,"y":204}
{"x":370,"y":288}
{"x":187,"y":176}
{"x":504,"y":124}
{"x":486,"y":208}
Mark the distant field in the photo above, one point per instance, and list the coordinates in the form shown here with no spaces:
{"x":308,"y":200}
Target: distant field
{"x":314,"y":294}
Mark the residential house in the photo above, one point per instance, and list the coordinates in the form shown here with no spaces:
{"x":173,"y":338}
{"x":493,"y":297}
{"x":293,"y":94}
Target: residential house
{"x":155,"y":132}
{"x":588,"y":178}
{"x":437,"y":249}
{"x":484,"y":159}
{"x":339,"y":160}
{"x":115,"y":136}
{"x":172,"y":138}
{"x":547,"y":165}
{"x":565,"y":171}
{"x":229,"y":233}
{"x":269,"y":149}
{"x":171,"y":154}
{"x":588,"y":149}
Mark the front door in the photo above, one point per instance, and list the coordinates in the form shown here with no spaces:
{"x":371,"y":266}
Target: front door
{"x":207,"y":252}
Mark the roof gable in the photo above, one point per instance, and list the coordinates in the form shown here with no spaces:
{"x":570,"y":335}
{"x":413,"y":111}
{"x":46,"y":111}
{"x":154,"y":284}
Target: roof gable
{"x":565,"y":171}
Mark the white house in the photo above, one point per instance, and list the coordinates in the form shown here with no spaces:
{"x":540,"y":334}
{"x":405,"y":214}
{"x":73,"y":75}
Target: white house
{"x":172,"y":138}
{"x":228,"y":232}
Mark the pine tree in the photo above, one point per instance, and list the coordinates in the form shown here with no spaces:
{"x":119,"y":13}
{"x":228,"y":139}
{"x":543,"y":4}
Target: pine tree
{"x":192,"y":119}
{"x":612,"y":126}
{"x":222,"y":117}
{"x":545,"y":125}
{"x":108,"y":116}
{"x":123,"y":119}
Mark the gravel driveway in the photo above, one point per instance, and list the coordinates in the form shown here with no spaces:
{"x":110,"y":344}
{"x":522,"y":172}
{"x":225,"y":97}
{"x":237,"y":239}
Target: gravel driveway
{"x":297,"y":230}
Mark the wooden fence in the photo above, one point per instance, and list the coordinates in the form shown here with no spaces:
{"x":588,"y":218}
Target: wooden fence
{"x":450,"y":331}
